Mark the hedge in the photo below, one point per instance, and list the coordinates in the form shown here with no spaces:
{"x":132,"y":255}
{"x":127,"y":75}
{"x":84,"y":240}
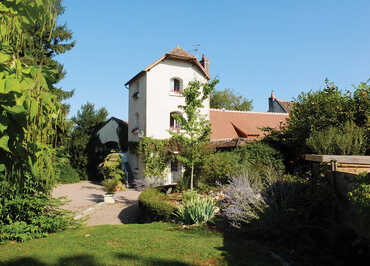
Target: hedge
{"x":154,"y":206}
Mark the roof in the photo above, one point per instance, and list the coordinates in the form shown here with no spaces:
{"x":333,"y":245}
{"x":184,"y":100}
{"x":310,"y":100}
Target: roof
{"x":228,"y":125}
{"x":177,"y":54}
{"x":286,"y":105}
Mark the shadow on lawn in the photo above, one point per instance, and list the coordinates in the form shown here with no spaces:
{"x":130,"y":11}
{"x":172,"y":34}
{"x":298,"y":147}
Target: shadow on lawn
{"x":72,"y":260}
{"x":89,"y":260}
{"x":239,"y":250}
{"x":151,"y":260}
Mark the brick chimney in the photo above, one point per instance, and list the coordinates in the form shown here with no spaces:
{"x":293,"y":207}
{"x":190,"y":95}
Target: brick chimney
{"x":205,"y":63}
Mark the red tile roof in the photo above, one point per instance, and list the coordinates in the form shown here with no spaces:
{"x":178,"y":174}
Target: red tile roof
{"x":178,"y":54}
{"x":236,"y":124}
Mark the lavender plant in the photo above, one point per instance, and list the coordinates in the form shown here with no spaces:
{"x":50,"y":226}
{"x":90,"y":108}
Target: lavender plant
{"x":243,"y":200}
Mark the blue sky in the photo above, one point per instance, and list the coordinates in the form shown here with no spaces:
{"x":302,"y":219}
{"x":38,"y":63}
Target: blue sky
{"x":254,"y":46}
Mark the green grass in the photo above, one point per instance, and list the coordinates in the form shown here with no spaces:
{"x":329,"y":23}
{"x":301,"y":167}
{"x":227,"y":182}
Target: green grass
{"x":135,"y":244}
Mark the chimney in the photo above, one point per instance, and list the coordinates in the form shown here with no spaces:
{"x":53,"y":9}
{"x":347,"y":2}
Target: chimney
{"x":205,"y":63}
{"x":271,"y":102}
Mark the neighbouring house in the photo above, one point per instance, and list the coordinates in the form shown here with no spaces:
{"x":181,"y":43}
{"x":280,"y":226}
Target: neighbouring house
{"x":156,"y":92}
{"x":279,"y":106}
{"x":235,"y":128}
{"x":107,"y":136}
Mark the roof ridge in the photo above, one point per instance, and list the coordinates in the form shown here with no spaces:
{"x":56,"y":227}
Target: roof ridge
{"x":246,"y":112}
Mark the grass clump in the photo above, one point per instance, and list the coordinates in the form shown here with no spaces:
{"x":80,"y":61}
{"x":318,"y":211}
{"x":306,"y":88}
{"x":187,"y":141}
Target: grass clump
{"x":196,"y":210}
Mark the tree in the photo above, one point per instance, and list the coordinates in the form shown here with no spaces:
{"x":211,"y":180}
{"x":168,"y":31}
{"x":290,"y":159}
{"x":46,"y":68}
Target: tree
{"x":195,"y":128}
{"x":318,"y":111}
{"x":30,"y":117}
{"x":84,"y":123}
{"x":228,"y":100}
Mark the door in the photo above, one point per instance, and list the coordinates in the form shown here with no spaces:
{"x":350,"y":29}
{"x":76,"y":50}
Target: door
{"x":175,"y":171}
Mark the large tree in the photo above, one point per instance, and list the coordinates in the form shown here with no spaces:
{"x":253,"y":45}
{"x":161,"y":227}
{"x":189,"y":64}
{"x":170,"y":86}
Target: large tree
{"x":84,"y":124}
{"x":31,"y":114}
{"x":228,"y":100}
{"x":195,"y":129}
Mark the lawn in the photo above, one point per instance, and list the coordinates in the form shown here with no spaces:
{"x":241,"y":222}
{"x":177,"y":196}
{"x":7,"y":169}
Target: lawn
{"x":135,"y":244}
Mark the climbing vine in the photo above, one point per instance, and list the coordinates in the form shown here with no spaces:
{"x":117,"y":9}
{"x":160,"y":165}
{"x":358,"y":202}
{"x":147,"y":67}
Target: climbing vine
{"x":156,"y":154}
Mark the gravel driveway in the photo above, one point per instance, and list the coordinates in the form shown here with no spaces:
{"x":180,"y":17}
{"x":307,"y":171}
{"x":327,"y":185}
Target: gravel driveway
{"x":88,"y":198}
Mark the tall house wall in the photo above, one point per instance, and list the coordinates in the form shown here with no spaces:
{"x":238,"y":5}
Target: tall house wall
{"x":137,"y":107}
{"x":161,"y":101}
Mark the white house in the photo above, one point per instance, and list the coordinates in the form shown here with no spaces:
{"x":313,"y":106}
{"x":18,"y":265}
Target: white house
{"x":155,"y":93}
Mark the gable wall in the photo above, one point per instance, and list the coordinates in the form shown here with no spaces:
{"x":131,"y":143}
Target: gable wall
{"x":137,"y":106}
{"x":160,"y":101}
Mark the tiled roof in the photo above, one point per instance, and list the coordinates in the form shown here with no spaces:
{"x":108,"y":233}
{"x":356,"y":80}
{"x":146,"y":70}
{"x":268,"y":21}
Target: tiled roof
{"x":286,"y":105}
{"x":178,"y":54}
{"x":235,"y":124}
{"x":178,"y":51}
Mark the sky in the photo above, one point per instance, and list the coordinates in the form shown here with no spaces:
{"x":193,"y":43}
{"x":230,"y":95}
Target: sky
{"x":254,"y":47}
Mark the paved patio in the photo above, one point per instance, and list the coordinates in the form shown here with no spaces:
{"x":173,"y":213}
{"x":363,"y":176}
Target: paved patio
{"x":87,"y":199}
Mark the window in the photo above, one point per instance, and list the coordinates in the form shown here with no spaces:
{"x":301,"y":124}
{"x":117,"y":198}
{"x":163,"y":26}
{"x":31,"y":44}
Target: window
{"x":173,"y":123}
{"x":174,"y":166}
{"x":176,"y":85}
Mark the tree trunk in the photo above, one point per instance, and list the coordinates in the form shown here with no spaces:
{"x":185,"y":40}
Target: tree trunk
{"x":192,"y":176}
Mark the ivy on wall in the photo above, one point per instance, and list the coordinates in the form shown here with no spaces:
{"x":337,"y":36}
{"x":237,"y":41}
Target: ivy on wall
{"x":156,"y":155}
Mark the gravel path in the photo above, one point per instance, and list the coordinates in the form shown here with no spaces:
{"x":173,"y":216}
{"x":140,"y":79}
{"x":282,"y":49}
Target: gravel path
{"x":88,"y":198}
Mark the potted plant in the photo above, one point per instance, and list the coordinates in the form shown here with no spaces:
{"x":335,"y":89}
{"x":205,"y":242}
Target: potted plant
{"x":112,"y":172}
{"x":111,"y":186}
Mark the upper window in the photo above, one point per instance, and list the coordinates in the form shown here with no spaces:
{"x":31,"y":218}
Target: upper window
{"x":176,"y":85}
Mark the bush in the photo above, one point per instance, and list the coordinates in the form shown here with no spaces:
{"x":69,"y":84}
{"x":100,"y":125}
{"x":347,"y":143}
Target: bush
{"x":349,"y":140}
{"x":360,"y":199}
{"x":112,"y":167}
{"x":112,"y":185}
{"x":243,"y":200}
{"x":154,"y":206}
{"x":219,"y":167}
{"x":260,"y":156}
{"x":292,"y":213}
{"x":30,"y":215}
{"x":64,"y":171}
{"x":196,"y":210}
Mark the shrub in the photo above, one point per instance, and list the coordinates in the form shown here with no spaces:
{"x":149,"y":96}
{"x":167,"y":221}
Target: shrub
{"x":112,"y":185}
{"x":243,"y":201}
{"x":30,"y":215}
{"x":112,"y":167}
{"x":196,"y":209}
{"x":64,"y":171}
{"x":360,"y":199}
{"x":260,"y":156}
{"x":154,"y":206}
{"x":218,"y":167}
{"x":349,"y":140}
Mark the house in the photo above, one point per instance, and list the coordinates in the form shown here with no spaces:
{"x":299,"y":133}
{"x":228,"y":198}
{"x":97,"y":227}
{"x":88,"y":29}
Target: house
{"x":107,"y":136}
{"x":155,"y":93}
{"x":235,"y":128}
{"x":279,"y":106}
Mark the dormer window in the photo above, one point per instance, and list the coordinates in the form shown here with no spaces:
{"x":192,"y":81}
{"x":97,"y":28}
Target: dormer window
{"x":176,"y":85}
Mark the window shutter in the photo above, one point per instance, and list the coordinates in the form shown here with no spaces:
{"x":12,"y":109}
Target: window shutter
{"x":172,"y":85}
